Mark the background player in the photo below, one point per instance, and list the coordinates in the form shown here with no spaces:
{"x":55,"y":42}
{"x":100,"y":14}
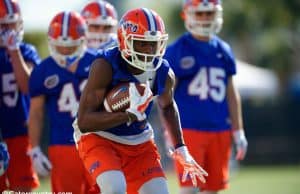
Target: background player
{"x":119,"y":151}
{"x":208,"y":102}
{"x":17,"y":59}
{"x":56,"y":84}
{"x":102,"y":20}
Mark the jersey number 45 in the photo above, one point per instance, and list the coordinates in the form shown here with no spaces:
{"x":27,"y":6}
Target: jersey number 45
{"x":209,"y":82}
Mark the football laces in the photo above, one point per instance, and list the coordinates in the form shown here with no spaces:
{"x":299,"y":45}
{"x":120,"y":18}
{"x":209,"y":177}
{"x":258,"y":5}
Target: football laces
{"x":118,"y":105}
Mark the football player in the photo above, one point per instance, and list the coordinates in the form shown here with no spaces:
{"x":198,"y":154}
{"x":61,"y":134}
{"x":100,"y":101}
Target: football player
{"x":102,"y":19}
{"x":17,"y":60}
{"x":208,"y":102}
{"x":117,"y":148}
{"x":56,"y":84}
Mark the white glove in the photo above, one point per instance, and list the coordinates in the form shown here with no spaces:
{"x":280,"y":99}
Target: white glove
{"x":41,"y":163}
{"x":139,"y":103}
{"x":11,"y":39}
{"x":241,"y":144}
{"x":190,"y":166}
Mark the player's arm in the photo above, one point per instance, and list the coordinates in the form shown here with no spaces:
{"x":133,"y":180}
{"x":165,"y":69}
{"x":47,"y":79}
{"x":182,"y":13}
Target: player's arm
{"x":170,"y":118}
{"x":21,"y":69}
{"x":89,"y":117}
{"x":235,"y":107}
{"x":168,"y":111}
{"x":36,"y":119}
{"x":235,"y":110}
{"x":35,"y":126}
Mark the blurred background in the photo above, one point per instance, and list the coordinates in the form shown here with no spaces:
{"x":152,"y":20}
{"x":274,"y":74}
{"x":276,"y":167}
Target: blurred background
{"x":265,"y":36}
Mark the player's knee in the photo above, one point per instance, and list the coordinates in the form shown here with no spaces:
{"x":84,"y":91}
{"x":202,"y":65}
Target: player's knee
{"x":112,"y":182}
{"x":156,"y":185}
{"x":112,"y":189}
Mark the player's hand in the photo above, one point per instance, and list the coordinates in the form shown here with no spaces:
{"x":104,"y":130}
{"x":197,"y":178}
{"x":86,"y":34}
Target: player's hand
{"x":241,"y":144}
{"x":190,"y":166}
{"x":138,"y":102}
{"x":4,"y":158}
{"x":11,"y":40}
{"x":41,"y":163}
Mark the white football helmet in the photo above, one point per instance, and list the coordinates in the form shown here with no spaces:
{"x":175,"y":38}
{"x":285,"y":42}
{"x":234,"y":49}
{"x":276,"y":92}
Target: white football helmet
{"x":203,"y":28}
{"x":100,"y":13}
{"x":10,"y":13}
{"x":142,"y":25}
{"x":67,"y":29}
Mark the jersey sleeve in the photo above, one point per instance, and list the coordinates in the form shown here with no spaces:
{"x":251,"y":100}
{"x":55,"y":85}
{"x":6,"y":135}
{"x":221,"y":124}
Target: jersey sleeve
{"x":230,"y":66}
{"x":161,"y":77}
{"x":36,"y":82}
{"x":170,"y":56}
{"x":30,"y":54}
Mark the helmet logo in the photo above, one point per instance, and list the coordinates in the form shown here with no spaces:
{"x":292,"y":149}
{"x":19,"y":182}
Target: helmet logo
{"x":127,"y":25}
{"x":86,"y":14}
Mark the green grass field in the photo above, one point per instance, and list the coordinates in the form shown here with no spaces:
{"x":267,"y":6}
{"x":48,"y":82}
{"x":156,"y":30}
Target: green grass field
{"x":249,"y":180}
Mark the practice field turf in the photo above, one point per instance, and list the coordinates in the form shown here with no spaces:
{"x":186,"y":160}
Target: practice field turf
{"x":248,"y":180}
{"x":259,"y":180}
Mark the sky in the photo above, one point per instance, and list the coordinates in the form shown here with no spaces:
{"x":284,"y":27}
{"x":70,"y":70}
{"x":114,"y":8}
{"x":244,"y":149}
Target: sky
{"x":37,"y":14}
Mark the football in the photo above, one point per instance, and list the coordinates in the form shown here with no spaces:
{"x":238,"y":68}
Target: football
{"x":117,"y":99}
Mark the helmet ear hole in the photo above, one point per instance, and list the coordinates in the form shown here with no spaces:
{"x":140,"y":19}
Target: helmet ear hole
{"x":144,"y":26}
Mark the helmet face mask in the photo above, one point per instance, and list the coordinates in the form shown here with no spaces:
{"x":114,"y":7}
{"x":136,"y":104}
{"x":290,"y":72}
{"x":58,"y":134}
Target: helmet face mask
{"x":98,"y":35}
{"x":140,"y":42}
{"x":66,"y":38}
{"x":101,"y":18}
{"x":11,"y":18}
{"x":204,"y":28}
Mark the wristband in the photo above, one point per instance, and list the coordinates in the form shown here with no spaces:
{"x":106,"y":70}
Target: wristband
{"x":179,"y":145}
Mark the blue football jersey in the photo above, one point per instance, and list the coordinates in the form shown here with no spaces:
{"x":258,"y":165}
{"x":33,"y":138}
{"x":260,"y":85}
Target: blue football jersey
{"x":14,"y":105}
{"x":62,"y":90}
{"x":121,"y":74}
{"x":202,"y":70}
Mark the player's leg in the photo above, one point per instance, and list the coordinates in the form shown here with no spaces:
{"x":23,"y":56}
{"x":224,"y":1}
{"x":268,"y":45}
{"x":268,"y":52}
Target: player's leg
{"x":20,"y":171}
{"x":102,"y":159}
{"x":143,"y":165}
{"x":3,"y":183}
{"x":156,"y":185}
{"x":197,"y":143}
{"x":112,"y":182}
{"x":68,"y":173}
{"x":218,"y":163}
